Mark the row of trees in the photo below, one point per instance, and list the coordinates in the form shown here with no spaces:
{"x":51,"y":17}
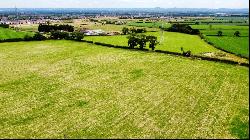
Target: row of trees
{"x":4,"y":25}
{"x":66,"y":35}
{"x":141,"y":40}
{"x":183,"y":28}
{"x":133,"y":30}
{"x":49,"y":28}
{"x":236,"y":33}
{"x":56,"y":35}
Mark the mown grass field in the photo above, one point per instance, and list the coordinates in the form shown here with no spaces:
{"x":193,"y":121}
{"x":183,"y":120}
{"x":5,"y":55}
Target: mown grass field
{"x":171,"y":42}
{"x":10,"y":34}
{"x":64,"y":89}
{"x":236,"y":45}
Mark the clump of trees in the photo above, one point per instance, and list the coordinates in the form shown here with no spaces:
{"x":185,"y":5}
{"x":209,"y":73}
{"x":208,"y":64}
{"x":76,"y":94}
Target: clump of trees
{"x":183,"y":28}
{"x":219,"y":33}
{"x":141,"y":40}
{"x":66,"y":35}
{"x":4,"y":25}
{"x":49,"y":28}
{"x":39,"y":36}
{"x":237,"y":34}
{"x":36,"y":37}
{"x":133,"y":30}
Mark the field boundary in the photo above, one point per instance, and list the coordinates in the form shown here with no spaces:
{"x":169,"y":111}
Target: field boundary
{"x":203,"y":37}
{"x":170,"y":53}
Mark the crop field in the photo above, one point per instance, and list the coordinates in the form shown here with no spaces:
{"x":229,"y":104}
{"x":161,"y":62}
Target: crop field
{"x":64,"y":89}
{"x":171,"y":42}
{"x":10,"y":34}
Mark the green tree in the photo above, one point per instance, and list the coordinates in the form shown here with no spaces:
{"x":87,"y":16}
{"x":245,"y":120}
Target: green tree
{"x":76,"y":36}
{"x":152,"y":41}
{"x":142,"y":40}
{"x":219,"y":33}
{"x":39,"y":36}
{"x":125,"y":30}
{"x":237,"y":34}
{"x":132,"y":40}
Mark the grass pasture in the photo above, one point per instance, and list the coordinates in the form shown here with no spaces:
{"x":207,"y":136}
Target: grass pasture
{"x":11,"y":34}
{"x":230,"y":43}
{"x":172,"y":42}
{"x":237,"y":45}
{"x":65,"y":89}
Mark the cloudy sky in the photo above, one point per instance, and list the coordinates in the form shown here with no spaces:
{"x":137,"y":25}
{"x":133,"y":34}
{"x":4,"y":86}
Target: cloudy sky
{"x":124,"y":3}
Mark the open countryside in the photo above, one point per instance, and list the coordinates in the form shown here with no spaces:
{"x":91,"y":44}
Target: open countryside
{"x":158,"y":73}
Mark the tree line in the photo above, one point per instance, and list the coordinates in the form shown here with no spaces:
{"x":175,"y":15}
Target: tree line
{"x":182,"y":28}
{"x":49,"y":28}
{"x":133,"y":30}
{"x":141,"y":40}
{"x":4,"y":25}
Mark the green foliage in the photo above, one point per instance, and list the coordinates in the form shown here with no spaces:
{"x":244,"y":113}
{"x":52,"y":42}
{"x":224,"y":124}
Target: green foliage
{"x":152,"y":42}
{"x":39,"y":36}
{"x":59,"y":35}
{"x":237,"y":34}
{"x":76,"y":36}
{"x":125,"y":30}
{"x":182,"y":28}
{"x":141,"y":40}
{"x":4,"y":25}
{"x":50,"y":28}
{"x":219,"y":33}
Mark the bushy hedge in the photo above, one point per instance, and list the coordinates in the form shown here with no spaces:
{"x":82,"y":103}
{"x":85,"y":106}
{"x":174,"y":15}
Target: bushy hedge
{"x":4,"y":25}
{"x":48,"y":28}
{"x":183,"y":28}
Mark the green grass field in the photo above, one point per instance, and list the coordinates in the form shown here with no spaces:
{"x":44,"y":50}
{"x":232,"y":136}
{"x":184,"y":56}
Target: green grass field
{"x":236,"y":45}
{"x":64,"y":89}
{"x":10,"y":34}
{"x":172,"y":42}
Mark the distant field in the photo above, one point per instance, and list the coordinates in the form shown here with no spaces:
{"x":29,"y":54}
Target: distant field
{"x":149,"y":24}
{"x":10,"y":34}
{"x":64,"y":89}
{"x":171,"y":42}
{"x":29,"y":28}
{"x":236,"y":45}
{"x":232,"y":44}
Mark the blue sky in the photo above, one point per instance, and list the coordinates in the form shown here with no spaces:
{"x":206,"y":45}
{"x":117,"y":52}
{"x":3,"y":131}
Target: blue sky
{"x":124,"y":3}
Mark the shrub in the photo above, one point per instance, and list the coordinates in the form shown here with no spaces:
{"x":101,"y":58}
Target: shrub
{"x":237,"y":34}
{"x":183,"y":28}
{"x":4,"y":25}
{"x":125,"y":30}
{"x":28,"y":38}
{"x":186,"y":53}
{"x":39,"y":36}
{"x":76,"y":36}
{"x":59,"y":35}
{"x":50,"y":28}
{"x":219,"y":33}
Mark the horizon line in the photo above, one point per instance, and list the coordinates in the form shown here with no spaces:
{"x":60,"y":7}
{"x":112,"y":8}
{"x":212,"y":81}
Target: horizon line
{"x":113,"y":8}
